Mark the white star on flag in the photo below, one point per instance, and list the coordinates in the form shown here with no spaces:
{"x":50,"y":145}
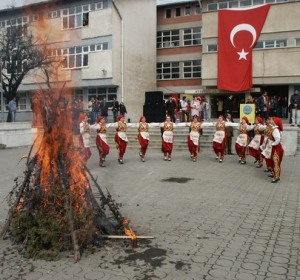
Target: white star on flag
{"x":242,"y":54}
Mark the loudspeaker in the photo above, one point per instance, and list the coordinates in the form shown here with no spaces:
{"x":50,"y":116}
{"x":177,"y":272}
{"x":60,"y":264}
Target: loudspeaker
{"x":154,"y":112}
{"x":153,"y":97}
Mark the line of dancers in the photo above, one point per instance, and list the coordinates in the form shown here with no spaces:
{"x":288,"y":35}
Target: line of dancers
{"x":266,"y":144}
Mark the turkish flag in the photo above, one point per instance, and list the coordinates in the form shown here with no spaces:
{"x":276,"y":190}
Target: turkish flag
{"x":238,"y":33}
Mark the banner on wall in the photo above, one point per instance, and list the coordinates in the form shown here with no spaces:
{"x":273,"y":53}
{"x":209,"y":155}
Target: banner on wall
{"x":247,"y":110}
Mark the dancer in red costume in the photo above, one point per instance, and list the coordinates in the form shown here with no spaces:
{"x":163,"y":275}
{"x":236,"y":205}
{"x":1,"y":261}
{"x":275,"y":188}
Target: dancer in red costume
{"x":274,"y":150}
{"x":84,"y":138}
{"x":256,"y":142}
{"x":101,"y":139}
{"x":121,"y":138}
{"x":219,"y":141}
{"x":167,"y":138}
{"x":143,"y":137}
{"x":193,"y":139}
{"x":265,"y":149}
{"x":243,"y":140}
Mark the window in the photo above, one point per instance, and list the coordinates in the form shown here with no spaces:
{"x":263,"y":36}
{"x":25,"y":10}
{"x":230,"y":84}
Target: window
{"x":178,"y":12}
{"x":233,"y":4}
{"x":76,"y":57}
{"x":298,"y":42}
{"x":168,"y":70}
{"x":198,"y":10}
{"x":187,"y":11}
{"x":240,"y":3}
{"x":223,"y":5}
{"x":271,"y":44}
{"x":76,"y":17}
{"x":108,"y":93}
{"x":54,"y":14}
{"x":16,"y":66}
{"x":192,"y":69}
{"x":192,"y":36}
{"x":212,"y":6}
{"x":17,"y":26}
{"x":212,"y":48}
{"x":245,"y":3}
{"x":21,"y":102}
{"x":168,"y":13}
{"x":168,"y":39}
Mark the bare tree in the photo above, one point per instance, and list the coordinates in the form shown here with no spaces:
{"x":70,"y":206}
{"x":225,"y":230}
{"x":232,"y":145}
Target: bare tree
{"x":20,"y":52}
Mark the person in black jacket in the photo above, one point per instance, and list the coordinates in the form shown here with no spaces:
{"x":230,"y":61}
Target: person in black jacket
{"x":295,"y":106}
{"x":228,"y":105}
{"x":170,"y":108}
{"x":115,"y":109}
{"x":122,"y":108}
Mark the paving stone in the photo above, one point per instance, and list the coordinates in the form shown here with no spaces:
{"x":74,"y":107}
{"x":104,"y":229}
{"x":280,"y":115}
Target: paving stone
{"x":278,"y":270}
{"x":245,"y":276}
{"x":250,"y":266}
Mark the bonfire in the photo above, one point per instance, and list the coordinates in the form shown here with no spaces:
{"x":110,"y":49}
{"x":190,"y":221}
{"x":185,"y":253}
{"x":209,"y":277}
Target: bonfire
{"x":53,"y":208}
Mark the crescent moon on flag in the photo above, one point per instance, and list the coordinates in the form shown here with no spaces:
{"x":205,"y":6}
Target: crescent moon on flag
{"x":243,"y":27}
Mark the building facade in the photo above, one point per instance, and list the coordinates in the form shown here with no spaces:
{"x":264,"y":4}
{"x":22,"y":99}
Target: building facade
{"x":276,"y":56}
{"x":179,"y":47}
{"x":101,"y":42}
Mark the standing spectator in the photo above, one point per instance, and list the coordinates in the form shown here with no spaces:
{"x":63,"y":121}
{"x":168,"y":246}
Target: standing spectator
{"x":195,"y":107}
{"x":97,"y":108}
{"x":228,"y":134}
{"x":279,"y":108}
{"x":189,"y":108}
{"x":205,"y":109}
{"x":263,"y":105}
{"x":219,"y":107}
{"x":115,"y":109}
{"x":295,"y":106}
{"x":228,"y":105}
{"x":104,"y":109}
{"x":184,"y":110}
{"x":12,"y":110}
{"x":273,"y":106}
{"x":91,"y":111}
{"x":170,"y":108}
{"x":285,"y":107}
{"x":122,"y":108}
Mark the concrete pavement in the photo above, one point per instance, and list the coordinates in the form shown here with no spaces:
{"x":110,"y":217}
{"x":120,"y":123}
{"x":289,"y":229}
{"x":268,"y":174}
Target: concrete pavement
{"x":210,"y":220}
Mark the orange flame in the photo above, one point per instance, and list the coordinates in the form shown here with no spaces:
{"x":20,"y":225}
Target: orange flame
{"x":128,"y":231}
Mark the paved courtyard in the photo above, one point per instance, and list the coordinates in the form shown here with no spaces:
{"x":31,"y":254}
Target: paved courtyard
{"x":210,"y":220}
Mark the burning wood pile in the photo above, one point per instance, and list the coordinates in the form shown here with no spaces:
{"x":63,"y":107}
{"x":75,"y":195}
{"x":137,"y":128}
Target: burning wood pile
{"x":53,"y":208}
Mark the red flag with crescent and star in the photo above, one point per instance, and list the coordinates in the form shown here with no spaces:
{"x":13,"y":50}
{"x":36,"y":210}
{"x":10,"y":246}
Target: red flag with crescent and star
{"x":238,"y":33}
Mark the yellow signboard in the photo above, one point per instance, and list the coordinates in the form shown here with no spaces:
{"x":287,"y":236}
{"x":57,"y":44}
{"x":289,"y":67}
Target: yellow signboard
{"x":247,"y":110}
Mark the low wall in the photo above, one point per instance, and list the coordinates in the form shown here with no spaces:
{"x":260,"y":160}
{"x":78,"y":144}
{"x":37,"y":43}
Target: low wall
{"x":16,"y":134}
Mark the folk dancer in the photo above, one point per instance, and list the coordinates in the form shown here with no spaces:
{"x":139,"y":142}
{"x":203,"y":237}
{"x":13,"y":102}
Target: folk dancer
{"x":219,"y":141}
{"x":265,"y":153}
{"x":256,"y":142}
{"x":243,"y":140}
{"x":274,"y":150}
{"x":84,"y":138}
{"x":143,"y":137}
{"x":167,"y":138}
{"x":121,"y":138}
{"x":193,"y":139}
{"x":101,"y":140}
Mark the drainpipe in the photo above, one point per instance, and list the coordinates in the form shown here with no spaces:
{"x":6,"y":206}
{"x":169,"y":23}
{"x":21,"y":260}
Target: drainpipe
{"x":122,"y":50}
